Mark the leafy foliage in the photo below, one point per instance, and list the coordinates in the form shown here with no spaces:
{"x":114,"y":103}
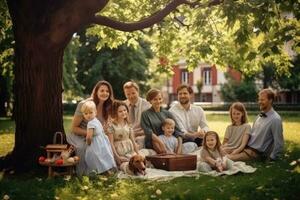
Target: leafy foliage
{"x":242,"y":34}
{"x":72,"y":88}
{"x":114,"y":65}
{"x":6,"y":59}
{"x":291,"y":82}
{"x":244,"y":91}
{"x":274,"y":79}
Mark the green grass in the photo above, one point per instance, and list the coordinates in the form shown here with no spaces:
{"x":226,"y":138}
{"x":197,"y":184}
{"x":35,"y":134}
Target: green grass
{"x":7,"y":137}
{"x":275,"y":180}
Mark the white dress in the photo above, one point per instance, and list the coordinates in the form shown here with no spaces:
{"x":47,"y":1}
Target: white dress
{"x":99,"y":156}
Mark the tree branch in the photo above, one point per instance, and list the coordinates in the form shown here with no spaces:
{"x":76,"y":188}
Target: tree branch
{"x":197,"y":4}
{"x":180,"y":21}
{"x":147,"y":22}
{"x":71,"y":17}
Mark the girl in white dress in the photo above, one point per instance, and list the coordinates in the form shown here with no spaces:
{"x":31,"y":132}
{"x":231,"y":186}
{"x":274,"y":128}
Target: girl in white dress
{"x":98,"y":156}
{"x":121,"y":134}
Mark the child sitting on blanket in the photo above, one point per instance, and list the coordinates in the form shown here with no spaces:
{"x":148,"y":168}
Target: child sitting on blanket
{"x":237,"y":134}
{"x":212,"y":155}
{"x":173,"y":144}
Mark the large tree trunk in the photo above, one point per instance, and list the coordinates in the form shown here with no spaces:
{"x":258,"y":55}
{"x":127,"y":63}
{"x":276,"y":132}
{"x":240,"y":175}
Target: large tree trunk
{"x":38,"y":110}
{"x":38,"y":97}
{"x":42,"y":29}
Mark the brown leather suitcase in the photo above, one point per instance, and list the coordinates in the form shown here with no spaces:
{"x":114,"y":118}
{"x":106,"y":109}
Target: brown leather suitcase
{"x":172,"y":162}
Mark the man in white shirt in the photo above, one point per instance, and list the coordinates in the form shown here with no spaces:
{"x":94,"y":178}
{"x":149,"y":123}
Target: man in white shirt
{"x":136,"y":106}
{"x":191,"y":119}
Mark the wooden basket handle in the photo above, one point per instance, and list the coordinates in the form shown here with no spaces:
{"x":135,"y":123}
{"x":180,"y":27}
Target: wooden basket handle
{"x":56,"y":135}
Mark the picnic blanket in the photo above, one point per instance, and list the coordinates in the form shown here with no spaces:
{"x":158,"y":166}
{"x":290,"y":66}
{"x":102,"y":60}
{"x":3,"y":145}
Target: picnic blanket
{"x":236,"y":168}
{"x":158,"y":174}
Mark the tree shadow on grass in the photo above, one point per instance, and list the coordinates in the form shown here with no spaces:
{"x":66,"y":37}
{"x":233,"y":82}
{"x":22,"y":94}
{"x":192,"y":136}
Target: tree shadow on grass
{"x":7,"y":126}
{"x":30,"y":185}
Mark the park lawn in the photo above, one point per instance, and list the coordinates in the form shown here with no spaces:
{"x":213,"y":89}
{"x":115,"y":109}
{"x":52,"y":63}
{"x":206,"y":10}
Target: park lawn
{"x":275,"y":180}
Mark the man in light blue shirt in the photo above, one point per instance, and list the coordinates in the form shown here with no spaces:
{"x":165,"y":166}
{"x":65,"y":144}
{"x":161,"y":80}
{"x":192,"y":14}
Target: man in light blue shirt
{"x":266,"y":138}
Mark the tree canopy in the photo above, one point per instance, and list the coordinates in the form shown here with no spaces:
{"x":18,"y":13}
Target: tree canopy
{"x":242,"y":34}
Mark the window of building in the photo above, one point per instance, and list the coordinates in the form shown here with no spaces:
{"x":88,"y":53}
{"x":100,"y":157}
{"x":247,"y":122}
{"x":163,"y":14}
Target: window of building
{"x":207,"y":76}
{"x":184,"y":76}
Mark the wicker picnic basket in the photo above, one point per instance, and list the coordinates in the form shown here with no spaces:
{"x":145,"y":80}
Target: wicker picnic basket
{"x":56,"y":147}
{"x":59,"y":155}
{"x":173,"y":162}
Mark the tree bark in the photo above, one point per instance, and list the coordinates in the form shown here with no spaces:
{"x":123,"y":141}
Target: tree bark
{"x":38,"y":109}
{"x":38,"y":97}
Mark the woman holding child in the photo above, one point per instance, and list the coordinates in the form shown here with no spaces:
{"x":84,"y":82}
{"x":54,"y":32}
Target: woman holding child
{"x":103,"y":97}
{"x":152,"y":120}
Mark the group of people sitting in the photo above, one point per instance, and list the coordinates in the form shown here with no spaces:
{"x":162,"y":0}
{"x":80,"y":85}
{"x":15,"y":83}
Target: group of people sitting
{"x":107,"y":132}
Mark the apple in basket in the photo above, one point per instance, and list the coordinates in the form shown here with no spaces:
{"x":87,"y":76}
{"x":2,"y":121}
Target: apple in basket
{"x":42,"y":159}
{"x":59,"y":162}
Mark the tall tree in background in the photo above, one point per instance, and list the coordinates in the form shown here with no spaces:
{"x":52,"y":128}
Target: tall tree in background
{"x":114,"y":65}
{"x":290,"y":81}
{"x":72,"y":88}
{"x":244,"y":90}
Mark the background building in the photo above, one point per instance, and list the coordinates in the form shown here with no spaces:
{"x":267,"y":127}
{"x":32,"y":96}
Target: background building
{"x":205,"y":79}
